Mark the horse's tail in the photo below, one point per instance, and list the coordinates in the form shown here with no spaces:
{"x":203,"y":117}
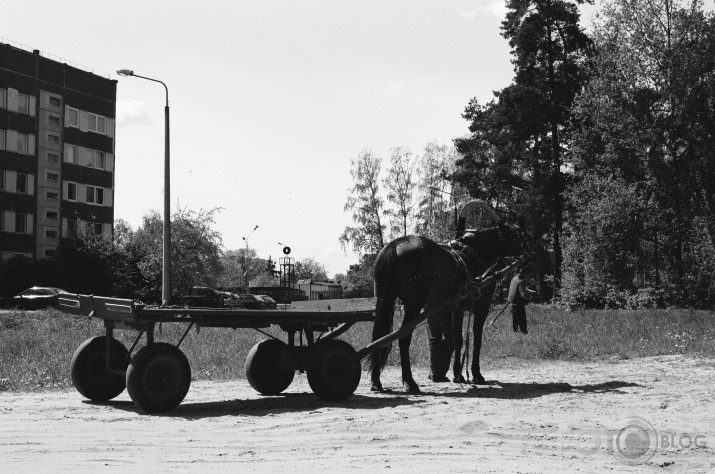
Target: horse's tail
{"x":384,"y":306}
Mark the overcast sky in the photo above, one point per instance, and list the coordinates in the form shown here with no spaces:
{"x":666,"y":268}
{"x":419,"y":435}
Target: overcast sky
{"x":271,"y":99}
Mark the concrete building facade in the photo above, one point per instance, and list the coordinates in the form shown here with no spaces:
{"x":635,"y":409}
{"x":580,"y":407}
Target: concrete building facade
{"x":57,"y":136}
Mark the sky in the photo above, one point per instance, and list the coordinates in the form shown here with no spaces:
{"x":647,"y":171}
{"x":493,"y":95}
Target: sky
{"x":271,"y":99}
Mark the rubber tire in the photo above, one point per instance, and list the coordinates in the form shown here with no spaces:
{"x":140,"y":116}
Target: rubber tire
{"x":87,"y":369}
{"x":158,"y":377}
{"x":336,"y":372}
{"x":267,"y":367}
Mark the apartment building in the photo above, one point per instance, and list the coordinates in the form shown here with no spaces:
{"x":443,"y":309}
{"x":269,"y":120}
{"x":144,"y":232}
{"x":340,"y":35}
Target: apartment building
{"x":57,"y":125}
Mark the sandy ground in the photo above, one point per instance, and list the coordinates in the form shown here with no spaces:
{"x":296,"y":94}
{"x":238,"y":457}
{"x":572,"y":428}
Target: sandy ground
{"x":541,"y":417}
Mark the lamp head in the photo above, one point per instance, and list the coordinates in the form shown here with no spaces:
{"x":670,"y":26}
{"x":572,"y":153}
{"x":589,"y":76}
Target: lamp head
{"x":125,"y":72}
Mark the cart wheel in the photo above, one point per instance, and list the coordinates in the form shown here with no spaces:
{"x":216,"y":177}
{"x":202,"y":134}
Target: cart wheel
{"x":88,"y":372}
{"x":268,"y":367}
{"x":158,"y":377}
{"x":336,"y":373}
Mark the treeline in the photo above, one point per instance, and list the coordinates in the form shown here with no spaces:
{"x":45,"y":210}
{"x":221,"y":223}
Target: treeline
{"x":604,"y":142}
{"x":129,"y":263}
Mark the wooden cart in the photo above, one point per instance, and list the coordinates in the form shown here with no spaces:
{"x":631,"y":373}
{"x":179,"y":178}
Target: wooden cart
{"x":157,"y":376}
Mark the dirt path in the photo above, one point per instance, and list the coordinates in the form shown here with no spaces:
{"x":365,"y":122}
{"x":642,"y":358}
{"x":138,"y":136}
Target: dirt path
{"x":544,"y":417}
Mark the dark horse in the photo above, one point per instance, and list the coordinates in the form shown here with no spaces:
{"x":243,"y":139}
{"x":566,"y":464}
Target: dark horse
{"x":424,"y":274}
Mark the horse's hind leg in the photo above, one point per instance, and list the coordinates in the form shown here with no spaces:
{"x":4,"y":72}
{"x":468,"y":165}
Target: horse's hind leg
{"x":411,"y":311}
{"x":384,"y":313}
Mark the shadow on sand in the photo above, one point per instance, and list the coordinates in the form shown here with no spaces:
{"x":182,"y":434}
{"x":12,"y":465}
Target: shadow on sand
{"x":265,"y":405}
{"x":519,"y":391}
{"x":307,"y":402}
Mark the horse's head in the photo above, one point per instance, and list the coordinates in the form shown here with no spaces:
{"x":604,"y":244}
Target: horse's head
{"x":504,"y":240}
{"x":501,"y":239}
{"x":515,"y":240}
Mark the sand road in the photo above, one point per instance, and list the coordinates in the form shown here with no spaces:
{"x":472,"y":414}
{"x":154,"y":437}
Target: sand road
{"x":652,"y":414}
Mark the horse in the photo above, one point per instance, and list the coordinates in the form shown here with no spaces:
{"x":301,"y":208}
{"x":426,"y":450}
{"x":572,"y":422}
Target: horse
{"x":425,"y":274}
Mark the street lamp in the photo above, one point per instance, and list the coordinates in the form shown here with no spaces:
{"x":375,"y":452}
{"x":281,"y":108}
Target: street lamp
{"x":245,"y":254}
{"x":166,"y":259}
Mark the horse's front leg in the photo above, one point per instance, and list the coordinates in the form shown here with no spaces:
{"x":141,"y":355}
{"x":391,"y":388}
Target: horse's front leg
{"x":478,"y":327}
{"x":407,"y":378}
{"x":457,"y":323}
{"x":481,"y":313}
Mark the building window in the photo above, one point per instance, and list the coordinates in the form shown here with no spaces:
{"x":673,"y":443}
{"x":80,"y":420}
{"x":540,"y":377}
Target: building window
{"x":2,"y":222}
{"x":72,"y":117}
{"x":71,"y":228}
{"x":71,"y":154}
{"x":23,"y":103}
{"x":51,"y":233}
{"x":53,"y":177}
{"x":52,"y":196}
{"x":53,"y":119}
{"x":97,"y":124}
{"x":23,"y":141}
{"x":21,"y":186}
{"x":55,"y":101}
{"x":71,"y":191}
{"x":2,"y":139}
{"x":97,"y":159}
{"x":53,"y":158}
{"x":52,"y":215}
{"x":95,"y":195}
{"x":94,"y":228}
{"x":52,"y":138}
{"x":3,"y":98}
{"x":20,"y":223}
{"x":2,"y":180}
{"x":50,"y":252}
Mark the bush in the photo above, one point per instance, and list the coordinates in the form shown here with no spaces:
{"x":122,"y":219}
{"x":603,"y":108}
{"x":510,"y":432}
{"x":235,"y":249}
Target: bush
{"x":611,"y":297}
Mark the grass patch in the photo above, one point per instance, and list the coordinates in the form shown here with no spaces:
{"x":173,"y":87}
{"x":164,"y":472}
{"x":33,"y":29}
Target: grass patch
{"x":36,"y":346}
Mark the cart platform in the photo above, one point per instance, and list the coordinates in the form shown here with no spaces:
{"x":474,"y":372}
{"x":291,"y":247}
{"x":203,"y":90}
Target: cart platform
{"x":135,"y":314}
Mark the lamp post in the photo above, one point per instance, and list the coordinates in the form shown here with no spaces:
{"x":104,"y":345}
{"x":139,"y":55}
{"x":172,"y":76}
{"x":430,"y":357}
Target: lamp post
{"x":245,"y":254}
{"x":166,"y":259}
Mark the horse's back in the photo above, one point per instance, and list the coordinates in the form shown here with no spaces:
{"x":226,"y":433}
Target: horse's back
{"x":410,"y":261}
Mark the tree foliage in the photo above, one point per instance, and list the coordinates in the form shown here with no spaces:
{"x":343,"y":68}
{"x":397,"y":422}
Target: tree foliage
{"x":514,"y":155}
{"x":366,"y":204}
{"x":400,"y":183}
{"x":195,"y":251}
{"x":438,"y":195}
{"x":646,"y":117}
{"x":310,"y":269}
{"x":358,"y":282}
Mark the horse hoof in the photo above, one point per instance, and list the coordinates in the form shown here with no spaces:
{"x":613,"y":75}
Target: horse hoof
{"x":459,"y":379}
{"x":438,"y":379}
{"x":413,"y":389}
{"x":480,"y":381}
{"x":377,"y":388}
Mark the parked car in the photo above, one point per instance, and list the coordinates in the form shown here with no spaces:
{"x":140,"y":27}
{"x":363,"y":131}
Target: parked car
{"x":251,"y":302}
{"x":37,"y":297}
{"x":203,"y":297}
{"x":231,"y":300}
{"x":270,"y":302}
